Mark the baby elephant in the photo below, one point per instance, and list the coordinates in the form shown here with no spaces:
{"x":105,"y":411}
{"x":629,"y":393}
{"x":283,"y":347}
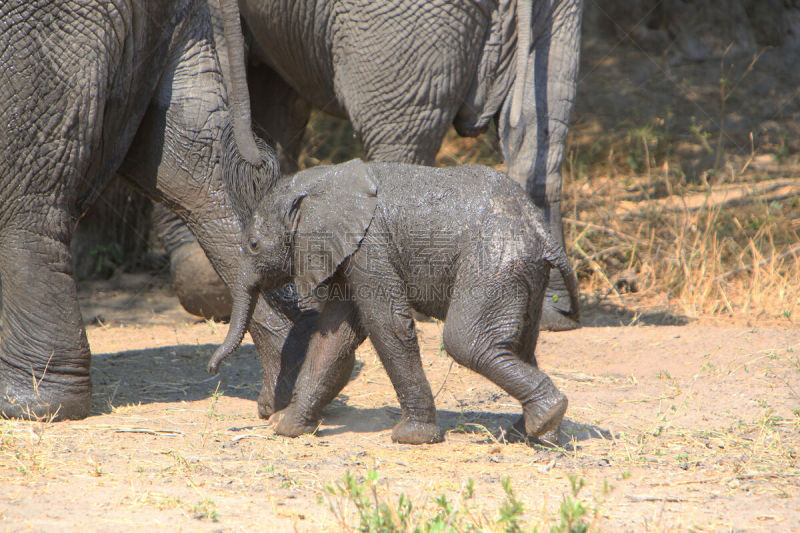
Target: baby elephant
{"x":371,"y":242}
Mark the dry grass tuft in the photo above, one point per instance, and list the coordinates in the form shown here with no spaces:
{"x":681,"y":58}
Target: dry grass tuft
{"x":707,"y":258}
{"x":643,"y":235}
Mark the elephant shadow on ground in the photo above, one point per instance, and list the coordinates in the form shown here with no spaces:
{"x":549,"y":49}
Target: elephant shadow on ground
{"x":173,"y":374}
{"x":178,"y":373}
{"x":170,"y":374}
{"x":492,"y":427}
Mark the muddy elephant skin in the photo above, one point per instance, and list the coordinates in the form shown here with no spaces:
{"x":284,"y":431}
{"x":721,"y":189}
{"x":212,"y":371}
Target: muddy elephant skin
{"x":372,"y":242}
{"x":402,"y":73}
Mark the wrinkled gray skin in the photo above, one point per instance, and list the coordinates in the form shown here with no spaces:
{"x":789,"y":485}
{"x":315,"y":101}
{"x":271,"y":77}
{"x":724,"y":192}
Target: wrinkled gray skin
{"x":93,"y":88}
{"x":374,"y":242}
{"x":402,"y":72}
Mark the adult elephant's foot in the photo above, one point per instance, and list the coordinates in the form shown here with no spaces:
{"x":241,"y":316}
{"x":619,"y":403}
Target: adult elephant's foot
{"x":409,"y":431}
{"x":272,"y":398}
{"x":42,"y":401}
{"x":197,"y":285}
{"x":556,"y":306}
{"x":289,"y":424}
{"x":553,"y":318}
{"x":44,"y":354}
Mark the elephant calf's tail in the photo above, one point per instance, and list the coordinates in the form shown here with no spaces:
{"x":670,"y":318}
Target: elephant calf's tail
{"x":556,"y":257}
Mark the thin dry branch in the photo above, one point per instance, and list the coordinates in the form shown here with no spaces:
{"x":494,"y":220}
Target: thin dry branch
{"x":792,"y":252}
{"x":596,"y":227}
{"x":720,"y":196}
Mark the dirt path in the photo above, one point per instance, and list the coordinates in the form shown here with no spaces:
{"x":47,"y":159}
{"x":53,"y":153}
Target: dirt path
{"x":672,"y":427}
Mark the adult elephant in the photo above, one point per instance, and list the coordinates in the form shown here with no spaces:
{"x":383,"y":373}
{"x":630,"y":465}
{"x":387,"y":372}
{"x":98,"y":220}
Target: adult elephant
{"x":402,"y":72}
{"x":94,"y":87}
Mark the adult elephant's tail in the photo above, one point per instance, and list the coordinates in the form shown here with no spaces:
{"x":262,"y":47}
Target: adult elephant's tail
{"x":524,"y":9}
{"x":236,"y":82}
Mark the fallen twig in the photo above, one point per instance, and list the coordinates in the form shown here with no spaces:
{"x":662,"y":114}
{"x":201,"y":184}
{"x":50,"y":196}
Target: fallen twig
{"x":574,"y":377}
{"x":595,"y":227}
{"x":162,"y":432}
{"x":720,"y":196}
{"x":242,"y":428}
{"x":793,"y":252}
{"x":249,"y":436}
{"x":636,"y":498}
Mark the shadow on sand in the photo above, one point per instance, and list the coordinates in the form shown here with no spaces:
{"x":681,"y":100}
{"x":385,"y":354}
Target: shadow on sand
{"x":171,"y":374}
{"x":607,"y":314}
{"x":178,"y":373}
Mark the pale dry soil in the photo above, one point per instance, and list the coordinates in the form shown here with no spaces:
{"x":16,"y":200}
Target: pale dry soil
{"x":672,"y":427}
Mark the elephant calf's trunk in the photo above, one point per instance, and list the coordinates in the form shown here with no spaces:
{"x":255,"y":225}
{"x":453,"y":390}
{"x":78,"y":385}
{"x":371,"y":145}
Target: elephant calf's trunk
{"x":243,"y":304}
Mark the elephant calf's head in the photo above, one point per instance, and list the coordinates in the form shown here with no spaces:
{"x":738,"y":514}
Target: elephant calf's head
{"x":302,"y":229}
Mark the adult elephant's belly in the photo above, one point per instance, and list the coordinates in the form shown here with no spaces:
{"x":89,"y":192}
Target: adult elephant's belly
{"x":291,"y":38}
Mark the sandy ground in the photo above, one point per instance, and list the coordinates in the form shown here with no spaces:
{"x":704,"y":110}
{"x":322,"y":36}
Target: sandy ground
{"x":671,"y":427}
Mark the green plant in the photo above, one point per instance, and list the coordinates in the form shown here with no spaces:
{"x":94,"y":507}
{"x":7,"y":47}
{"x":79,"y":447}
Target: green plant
{"x":205,"y":509}
{"x":374,"y":514}
{"x":378,"y":514}
{"x":572,"y":511}
{"x":107,"y":258}
{"x":511,"y":509}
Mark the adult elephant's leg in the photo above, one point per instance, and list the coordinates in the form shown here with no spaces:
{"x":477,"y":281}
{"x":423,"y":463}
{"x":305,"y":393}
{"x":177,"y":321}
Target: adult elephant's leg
{"x":403,"y":136}
{"x":534,"y":148}
{"x":44,"y":355}
{"x":197,"y":285}
{"x":279,"y":112}
{"x":176,"y":159}
{"x":282,"y":114}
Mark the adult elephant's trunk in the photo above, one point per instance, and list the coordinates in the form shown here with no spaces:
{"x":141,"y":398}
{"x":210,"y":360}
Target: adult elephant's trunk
{"x":236,"y":82}
{"x":524,"y":8}
{"x":245,"y":296}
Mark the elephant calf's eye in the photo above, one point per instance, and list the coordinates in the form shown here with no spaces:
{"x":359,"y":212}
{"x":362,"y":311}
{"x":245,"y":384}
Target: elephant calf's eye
{"x":253,"y":244}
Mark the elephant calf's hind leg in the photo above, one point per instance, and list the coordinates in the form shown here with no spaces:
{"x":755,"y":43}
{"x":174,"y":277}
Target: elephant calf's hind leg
{"x":492,"y":352}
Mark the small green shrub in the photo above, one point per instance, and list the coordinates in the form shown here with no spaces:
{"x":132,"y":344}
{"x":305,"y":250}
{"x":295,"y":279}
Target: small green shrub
{"x":377,"y":514}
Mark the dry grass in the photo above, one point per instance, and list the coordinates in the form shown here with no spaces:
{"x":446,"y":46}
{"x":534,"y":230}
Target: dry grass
{"x":669,"y":428}
{"x":719,"y":260}
{"x":725,"y":246}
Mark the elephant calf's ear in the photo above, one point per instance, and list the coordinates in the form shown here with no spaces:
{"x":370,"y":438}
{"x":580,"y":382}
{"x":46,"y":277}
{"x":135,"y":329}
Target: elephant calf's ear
{"x":332,"y":218}
{"x":246,"y":183}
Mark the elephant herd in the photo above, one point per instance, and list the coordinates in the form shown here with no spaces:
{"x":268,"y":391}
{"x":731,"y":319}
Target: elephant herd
{"x":166,"y":95}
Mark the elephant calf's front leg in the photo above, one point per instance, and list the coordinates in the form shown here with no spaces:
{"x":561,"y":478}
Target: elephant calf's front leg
{"x":329,"y":363}
{"x":388,"y":322}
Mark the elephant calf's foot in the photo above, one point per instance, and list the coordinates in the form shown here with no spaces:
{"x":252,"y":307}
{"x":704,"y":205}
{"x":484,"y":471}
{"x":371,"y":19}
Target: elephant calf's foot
{"x":409,"y":431}
{"x":288,"y":424}
{"x":542,"y":419}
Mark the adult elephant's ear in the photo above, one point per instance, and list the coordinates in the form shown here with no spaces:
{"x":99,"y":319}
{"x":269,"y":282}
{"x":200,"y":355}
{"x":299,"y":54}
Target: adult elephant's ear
{"x":327,"y":218}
